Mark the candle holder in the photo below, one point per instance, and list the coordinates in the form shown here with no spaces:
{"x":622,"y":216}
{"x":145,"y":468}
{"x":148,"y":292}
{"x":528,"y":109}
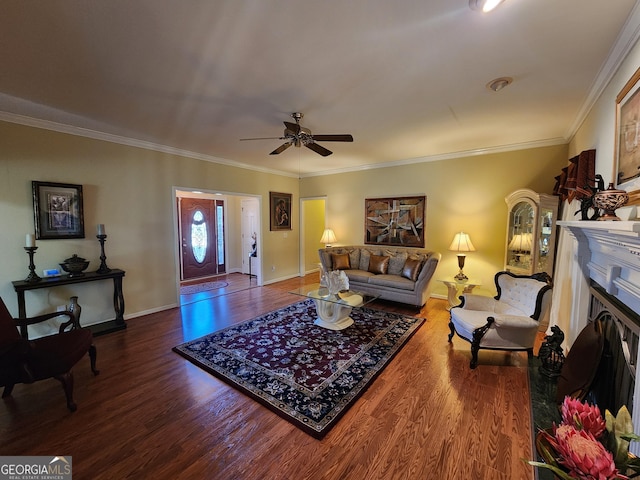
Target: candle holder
{"x":103,"y":258}
{"x":33,"y":276}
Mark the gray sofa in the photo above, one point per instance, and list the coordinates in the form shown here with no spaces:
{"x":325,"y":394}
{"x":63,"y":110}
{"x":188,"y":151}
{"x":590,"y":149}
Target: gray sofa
{"x":399,"y":274}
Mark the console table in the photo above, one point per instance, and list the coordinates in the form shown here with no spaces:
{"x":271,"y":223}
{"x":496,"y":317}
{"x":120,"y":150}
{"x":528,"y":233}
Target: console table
{"x":21,"y":286}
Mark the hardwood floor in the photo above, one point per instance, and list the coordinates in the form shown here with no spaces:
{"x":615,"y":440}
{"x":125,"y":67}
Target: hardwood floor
{"x":152,"y":414}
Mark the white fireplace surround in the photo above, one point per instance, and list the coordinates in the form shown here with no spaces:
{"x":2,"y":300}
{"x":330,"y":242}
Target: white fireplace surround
{"x":608,"y":252}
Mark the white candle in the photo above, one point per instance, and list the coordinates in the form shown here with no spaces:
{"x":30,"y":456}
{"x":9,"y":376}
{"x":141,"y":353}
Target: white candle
{"x":31,"y":240}
{"x":101,"y":229}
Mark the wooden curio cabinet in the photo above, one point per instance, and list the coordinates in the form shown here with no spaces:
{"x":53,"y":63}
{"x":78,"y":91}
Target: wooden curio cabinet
{"x":531,"y":232}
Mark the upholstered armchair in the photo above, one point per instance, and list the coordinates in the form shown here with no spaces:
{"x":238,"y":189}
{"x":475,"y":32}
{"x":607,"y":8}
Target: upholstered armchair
{"x":509,"y":321}
{"x":26,"y":361}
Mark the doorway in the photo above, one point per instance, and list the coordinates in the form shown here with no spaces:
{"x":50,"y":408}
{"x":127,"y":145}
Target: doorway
{"x":201,"y":230}
{"x":229,"y":258}
{"x":250,"y":228}
{"x":312,"y":224}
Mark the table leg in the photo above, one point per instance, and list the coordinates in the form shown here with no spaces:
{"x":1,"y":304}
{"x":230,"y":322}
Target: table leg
{"x":118,"y":300}
{"x":22,"y":313}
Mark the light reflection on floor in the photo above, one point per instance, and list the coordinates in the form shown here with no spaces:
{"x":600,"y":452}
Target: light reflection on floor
{"x":203,"y":317}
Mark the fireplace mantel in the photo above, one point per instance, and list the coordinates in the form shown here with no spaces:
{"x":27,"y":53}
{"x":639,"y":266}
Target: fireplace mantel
{"x":609,"y":254}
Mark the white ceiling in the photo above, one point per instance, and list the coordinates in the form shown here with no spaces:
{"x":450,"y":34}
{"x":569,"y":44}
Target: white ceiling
{"x":406,"y":78}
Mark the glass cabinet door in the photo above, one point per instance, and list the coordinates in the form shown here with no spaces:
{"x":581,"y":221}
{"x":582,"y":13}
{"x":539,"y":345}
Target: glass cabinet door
{"x":520,"y":236}
{"x":546,"y":240}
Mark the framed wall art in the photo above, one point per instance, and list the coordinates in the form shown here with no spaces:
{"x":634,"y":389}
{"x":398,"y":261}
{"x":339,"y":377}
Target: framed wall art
{"x":58,"y":210}
{"x":280,"y":207}
{"x":627,"y":150}
{"x":395,"y":221}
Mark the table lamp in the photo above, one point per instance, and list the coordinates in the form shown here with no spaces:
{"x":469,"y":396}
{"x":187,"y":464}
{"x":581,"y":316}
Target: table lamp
{"x":328,"y":237}
{"x":461,"y":243}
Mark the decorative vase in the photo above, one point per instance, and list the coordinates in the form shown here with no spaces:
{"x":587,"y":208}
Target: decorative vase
{"x":75,"y":309}
{"x":609,"y":200}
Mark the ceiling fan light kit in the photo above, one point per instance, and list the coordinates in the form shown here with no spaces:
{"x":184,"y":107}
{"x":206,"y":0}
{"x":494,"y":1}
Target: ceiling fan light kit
{"x":295,"y":134}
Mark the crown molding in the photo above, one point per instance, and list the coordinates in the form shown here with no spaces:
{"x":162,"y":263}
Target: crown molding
{"x":130,"y":142}
{"x":445,"y":156}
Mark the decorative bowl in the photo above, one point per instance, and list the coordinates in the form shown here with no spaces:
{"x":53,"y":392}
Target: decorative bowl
{"x":75,"y":265}
{"x":608,"y":200}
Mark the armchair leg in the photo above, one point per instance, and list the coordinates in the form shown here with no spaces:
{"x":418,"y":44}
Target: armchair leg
{"x":475,"y":348}
{"x":7,"y":390}
{"x":92,"y":357}
{"x":66,"y":379}
{"x":453,"y":330}
{"x":478,"y":333}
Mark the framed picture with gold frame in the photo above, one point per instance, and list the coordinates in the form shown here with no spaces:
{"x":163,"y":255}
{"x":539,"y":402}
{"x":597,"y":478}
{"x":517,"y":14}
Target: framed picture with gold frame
{"x":627,"y":144}
{"x":395,"y":221}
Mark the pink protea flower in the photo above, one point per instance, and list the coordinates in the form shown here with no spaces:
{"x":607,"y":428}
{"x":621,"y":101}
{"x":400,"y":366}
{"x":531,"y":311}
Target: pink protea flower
{"x":583,"y":416}
{"x":583,"y":455}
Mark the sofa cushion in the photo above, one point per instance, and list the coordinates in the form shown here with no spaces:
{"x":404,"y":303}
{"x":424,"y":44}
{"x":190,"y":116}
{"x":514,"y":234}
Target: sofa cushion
{"x":392,"y":281}
{"x":378,"y":264}
{"x":358,"y":276}
{"x":411,"y":268}
{"x":340,"y":261}
{"x":396,"y":261}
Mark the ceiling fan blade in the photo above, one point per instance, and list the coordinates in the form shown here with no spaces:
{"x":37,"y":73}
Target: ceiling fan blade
{"x":262,"y":138}
{"x":333,"y":138}
{"x":318,"y":149}
{"x":294,"y":127}
{"x":281,"y":148}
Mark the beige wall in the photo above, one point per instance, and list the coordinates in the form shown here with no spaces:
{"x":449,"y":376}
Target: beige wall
{"x":130,"y":190}
{"x":462,"y":194}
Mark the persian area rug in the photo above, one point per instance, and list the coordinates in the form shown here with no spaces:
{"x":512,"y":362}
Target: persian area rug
{"x":201,"y":287}
{"x":307,"y":374}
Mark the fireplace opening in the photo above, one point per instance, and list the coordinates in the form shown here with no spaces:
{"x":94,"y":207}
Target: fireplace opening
{"x":615,"y":380}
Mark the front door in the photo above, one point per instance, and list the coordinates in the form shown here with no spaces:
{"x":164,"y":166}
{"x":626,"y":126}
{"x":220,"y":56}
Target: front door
{"x":202,"y":237}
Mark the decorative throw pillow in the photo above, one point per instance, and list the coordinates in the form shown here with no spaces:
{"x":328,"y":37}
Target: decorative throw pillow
{"x":340,"y":261}
{"x":396,"y":261}
{"x":378,"y":264}
{"x":364,"y":259}
{"x":354,"y":258}
{"x":412,"y":268}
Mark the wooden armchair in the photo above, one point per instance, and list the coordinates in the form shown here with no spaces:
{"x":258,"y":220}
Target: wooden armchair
{"x":510,"y":321}
{"x":27,"y":361}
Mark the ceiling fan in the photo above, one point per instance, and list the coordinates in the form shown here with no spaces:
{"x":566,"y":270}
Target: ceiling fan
{"x":295,"y":134}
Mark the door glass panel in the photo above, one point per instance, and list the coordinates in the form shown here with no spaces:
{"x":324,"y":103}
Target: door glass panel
{"x":220,"y":234}
{"x":199,"y":238}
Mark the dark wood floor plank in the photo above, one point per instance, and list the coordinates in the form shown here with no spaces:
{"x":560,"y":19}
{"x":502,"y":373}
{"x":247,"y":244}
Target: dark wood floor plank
{"x":152,"y":414}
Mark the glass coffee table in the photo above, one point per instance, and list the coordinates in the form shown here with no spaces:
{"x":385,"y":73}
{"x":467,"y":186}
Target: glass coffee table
{"x":334,"y":310}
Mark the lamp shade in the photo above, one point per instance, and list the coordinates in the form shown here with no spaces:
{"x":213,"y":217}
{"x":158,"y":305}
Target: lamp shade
{"x":328,"y":236}
{"x":462,"y":243}
{"x":521,"y":242}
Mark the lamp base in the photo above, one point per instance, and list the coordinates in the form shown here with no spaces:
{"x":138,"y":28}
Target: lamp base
{"x":461,"y":277}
